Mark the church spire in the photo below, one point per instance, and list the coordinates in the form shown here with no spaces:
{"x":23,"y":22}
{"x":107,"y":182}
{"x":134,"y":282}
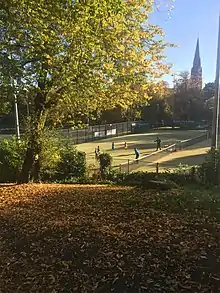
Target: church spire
{"x":196,"y":71}
{"x":197,"y":59}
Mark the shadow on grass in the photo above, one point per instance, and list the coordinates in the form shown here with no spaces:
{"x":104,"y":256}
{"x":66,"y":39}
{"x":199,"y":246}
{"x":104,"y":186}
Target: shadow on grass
{"x":191,"y":160}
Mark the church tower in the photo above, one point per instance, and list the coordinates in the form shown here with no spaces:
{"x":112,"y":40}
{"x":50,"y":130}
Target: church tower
{"x":196,"y":71}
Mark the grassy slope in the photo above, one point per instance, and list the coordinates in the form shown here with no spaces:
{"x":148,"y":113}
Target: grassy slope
{"x":56,"y":238}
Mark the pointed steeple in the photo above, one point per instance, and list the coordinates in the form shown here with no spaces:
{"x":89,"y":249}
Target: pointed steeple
{"x":196,"y":71}
{"x":197,"y":59}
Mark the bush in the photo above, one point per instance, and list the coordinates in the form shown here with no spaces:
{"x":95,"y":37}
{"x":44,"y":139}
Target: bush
{"x":11,"y":158}
{"x":50,"y":155}
{"x":72,"y":164}
{"x":182,"y":175}
{"x":59,"y":161}
{"x":132,"y":179}
{"x":115,"y":176}
{"x":209,"y":171}
{"x":105,"y":161}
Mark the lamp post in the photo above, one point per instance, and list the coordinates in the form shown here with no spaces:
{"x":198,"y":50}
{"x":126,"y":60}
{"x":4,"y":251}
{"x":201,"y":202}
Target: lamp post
{"x":17,"y":126}
{"x":174,"y":94}
{"x":215,"y":121}
{"x":17,"y":118}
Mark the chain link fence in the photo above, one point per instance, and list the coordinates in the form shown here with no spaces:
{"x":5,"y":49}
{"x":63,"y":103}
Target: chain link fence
{"x":97,"y":132}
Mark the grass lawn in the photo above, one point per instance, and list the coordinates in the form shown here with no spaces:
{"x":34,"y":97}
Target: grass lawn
{"x":144,"y":142}
{"x":101,"y":239}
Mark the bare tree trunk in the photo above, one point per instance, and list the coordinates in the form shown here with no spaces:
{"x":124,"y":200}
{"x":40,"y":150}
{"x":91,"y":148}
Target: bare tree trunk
{"x":31,"y":164}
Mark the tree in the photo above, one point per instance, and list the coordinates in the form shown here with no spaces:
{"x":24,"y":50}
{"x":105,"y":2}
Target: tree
{"x":209,"y":90}
{"x":158,"y":108}
{"x":188,"y":100}
{"x":77,"y":57}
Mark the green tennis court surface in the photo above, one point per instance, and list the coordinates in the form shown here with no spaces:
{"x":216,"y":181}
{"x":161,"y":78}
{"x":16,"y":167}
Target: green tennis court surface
{"x":191,"y":156}
{"x":144,"y":142}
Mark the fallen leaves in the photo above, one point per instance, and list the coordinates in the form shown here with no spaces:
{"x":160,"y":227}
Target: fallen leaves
{"x":63,"y":238}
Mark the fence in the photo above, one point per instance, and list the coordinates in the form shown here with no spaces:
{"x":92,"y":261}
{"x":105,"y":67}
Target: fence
{"x":149,"y":161}
{"x":97,"y":132}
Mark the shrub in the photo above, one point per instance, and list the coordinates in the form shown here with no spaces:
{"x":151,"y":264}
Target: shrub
{"x":59,"y":161}
{"x":182,"y":175}
{"x":72,"y":164}
{"x":209,"y":171}
{"x":132,"y":179}
{"x":11,"y":158}
{"x":50,"y":155}
{"x":105,"y":161}
{"x":115,"y":176}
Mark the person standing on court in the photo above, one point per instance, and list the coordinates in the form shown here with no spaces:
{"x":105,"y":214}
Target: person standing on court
{"x":158,"y":141}
{"x":96,"y":154}
{"x":137,"y":153}
{"x":113,"y":145}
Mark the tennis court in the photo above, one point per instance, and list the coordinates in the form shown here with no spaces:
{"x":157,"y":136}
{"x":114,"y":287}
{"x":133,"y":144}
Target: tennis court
{"x":190,"y":156}
{"x":144,"y":142}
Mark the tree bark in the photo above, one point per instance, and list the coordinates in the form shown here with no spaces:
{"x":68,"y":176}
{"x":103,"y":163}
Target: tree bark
{"x":24,"y":176}
{"x":31,"y":164}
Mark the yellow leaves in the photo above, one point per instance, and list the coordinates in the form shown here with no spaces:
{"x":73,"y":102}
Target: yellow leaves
{"x":46,"y":38}
{"x":97,"y":48}
{"x":109,"y":66}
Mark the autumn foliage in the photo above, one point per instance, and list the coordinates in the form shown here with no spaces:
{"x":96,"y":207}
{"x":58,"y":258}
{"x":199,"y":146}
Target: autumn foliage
{"x":56,"y":238}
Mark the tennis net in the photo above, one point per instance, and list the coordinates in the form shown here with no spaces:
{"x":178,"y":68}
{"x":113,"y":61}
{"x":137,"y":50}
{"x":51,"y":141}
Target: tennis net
{"x":150,"y":159}
{"x":186,"y":143}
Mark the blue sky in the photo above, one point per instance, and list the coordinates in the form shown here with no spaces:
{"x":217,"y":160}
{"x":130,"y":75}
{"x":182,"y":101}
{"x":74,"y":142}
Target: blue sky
{"x":189,"y":19}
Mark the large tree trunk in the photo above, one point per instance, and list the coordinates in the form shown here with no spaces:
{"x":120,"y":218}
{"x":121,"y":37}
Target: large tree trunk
{"x":31,"y":164}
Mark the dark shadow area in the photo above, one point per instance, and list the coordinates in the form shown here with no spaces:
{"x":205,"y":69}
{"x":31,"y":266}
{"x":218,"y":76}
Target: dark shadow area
{"x":190,"y":160}
{"x":96,"y":239}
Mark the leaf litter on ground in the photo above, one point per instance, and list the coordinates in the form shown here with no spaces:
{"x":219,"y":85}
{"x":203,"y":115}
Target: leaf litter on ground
{"x":81,"y":238}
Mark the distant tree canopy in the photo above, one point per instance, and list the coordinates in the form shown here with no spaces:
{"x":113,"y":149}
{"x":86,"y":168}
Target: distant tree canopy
{"x":68,"y":59}
{"x":209,"y":90}
{"x":190,"y":102}
{"x":159,"y":107}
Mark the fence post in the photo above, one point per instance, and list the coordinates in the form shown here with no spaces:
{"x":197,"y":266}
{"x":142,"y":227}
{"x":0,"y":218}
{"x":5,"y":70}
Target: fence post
{"x":157,"y":169}
{"x":77,"y":136}
{"x":120,"y":167}
{"x":128,"y":166}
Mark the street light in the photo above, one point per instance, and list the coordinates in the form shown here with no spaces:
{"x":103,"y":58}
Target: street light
{"x":16,"y":110}
{"x":215,"y":121}
{"x":17,"y":118}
